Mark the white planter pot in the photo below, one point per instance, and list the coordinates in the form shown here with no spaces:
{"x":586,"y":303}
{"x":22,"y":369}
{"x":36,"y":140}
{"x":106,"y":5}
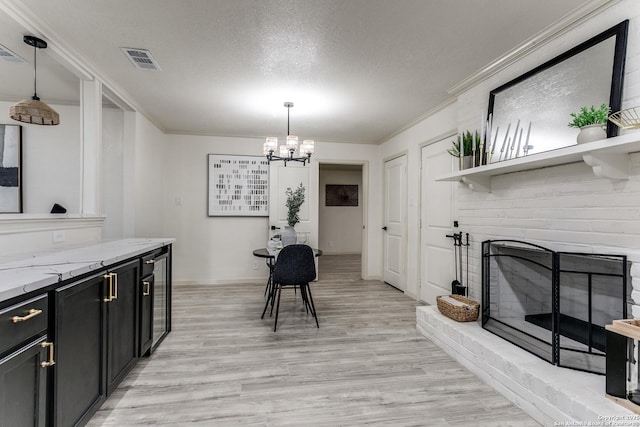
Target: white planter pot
{"x":467,"y":162}
{"x":289,"y":236}
{"x":591,"y":133}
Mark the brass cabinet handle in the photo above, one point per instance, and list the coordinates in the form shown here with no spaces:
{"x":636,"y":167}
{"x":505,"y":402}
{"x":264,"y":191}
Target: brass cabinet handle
{"x":109,"y":277}
{"x":115,"y":276}
{"x":150,"y":261}
{"x":49,"y":362}
{"x":147,"y":290}
{"x":31,"y":313}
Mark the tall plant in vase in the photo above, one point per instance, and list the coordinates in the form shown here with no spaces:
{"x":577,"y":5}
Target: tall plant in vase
{"x":295,"y":199}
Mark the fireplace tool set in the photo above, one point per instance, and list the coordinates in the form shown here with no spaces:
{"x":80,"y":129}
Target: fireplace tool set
{"x":457,"y":286}
{"x":457,"y":306}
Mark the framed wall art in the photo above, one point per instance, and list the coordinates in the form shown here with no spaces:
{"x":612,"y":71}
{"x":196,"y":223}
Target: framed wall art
{"x":10,"y":169}
{"x":341,"y":195}
{"x":238,"y":185}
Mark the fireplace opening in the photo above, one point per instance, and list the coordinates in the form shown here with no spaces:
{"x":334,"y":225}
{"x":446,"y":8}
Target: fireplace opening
{"x":553,"y":304}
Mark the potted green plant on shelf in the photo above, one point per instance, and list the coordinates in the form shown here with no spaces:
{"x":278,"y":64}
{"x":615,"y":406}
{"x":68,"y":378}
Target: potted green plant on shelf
{"x":591,"y":122}
{"x":295,"y":199}
{"x":470,"y":144}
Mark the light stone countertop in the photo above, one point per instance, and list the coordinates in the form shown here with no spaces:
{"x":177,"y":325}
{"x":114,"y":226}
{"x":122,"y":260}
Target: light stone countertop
{"x":24,"y":273}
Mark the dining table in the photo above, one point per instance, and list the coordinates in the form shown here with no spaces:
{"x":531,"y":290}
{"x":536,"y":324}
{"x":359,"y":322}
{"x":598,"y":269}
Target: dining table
{"x":271,"y":257}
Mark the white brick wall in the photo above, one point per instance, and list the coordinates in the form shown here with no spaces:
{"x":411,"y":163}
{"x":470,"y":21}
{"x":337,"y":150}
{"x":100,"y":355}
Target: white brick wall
{"x":563,"y":208}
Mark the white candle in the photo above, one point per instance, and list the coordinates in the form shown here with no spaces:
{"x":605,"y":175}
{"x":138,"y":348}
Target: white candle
{"x":519,"y":141}
{"x":493,"y":144}
{"x":526,"y":143}
{"x":506,"y":135}
{"x":495,"y":140}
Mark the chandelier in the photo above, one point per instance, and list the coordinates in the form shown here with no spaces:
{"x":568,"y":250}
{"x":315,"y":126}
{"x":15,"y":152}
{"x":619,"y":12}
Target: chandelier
{"x":287,"y":151}
{"x":33,"y":110}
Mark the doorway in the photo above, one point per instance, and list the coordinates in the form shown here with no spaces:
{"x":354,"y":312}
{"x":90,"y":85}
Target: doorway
{"x":341,"y":214}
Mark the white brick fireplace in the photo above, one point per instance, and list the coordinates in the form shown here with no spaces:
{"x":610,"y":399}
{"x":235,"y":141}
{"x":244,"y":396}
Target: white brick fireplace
{"x":564,"y":208}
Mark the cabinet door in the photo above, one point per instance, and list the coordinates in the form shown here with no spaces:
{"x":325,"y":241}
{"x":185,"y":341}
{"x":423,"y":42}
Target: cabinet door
{"x":145,"y":295}
{"x":161,"y":297}
{"x":23,"y":388}
{"x":79,"y":339}
{"x":122,"y":323}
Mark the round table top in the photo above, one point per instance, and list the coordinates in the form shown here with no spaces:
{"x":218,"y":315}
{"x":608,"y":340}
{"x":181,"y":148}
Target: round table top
{"x":264,"y":253}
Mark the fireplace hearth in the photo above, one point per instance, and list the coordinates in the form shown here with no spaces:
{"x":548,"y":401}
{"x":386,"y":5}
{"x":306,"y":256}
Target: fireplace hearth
{"x":553,"y":304}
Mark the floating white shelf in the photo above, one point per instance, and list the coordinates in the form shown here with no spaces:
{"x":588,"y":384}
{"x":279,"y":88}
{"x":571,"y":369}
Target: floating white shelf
{"x":609,"y":158}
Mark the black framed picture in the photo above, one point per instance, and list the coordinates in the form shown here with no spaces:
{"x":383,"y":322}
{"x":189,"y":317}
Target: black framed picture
{"x":238,"y":185}
{"x":341,"y":195}
{"x":10,"y":169}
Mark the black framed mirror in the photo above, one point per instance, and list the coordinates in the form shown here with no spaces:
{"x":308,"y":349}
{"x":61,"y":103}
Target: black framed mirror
{"x":532,"y":111}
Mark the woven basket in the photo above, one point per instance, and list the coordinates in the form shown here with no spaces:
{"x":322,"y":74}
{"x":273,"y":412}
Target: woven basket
{"x":460,"y":314}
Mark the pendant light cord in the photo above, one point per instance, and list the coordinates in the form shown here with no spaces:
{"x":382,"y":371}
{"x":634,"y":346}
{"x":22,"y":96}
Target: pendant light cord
{"x":35,"y":76}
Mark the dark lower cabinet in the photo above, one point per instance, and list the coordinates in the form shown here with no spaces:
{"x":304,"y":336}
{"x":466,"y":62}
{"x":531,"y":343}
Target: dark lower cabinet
{"x":64,"y":351}
{"x":122,"y":323}
{"x":96,"y":337}
{"x":145,"y":295}
{"x":23,"y":390}
{"x":79,"y":385}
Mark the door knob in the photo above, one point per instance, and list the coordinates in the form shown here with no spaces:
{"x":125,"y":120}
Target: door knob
{"x":384,"y":228}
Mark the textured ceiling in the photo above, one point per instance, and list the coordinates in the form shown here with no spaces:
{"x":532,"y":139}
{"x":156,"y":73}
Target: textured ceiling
{"x":357,"y":70}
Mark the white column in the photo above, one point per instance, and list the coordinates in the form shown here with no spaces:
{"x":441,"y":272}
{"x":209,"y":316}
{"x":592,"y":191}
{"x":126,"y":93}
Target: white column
{"x":91,"y":146}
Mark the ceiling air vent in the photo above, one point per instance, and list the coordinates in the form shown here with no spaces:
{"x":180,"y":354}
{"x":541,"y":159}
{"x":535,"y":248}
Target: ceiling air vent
{"x":7,"y":56}
{"x":141,"y":58}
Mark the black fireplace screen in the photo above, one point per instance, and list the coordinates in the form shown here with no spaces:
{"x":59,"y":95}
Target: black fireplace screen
{"x":553,"y":304}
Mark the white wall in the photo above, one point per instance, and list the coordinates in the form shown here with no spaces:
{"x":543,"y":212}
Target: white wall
{"x":113,"y":178}
{"x":133,"y":156}
{"x":51,"y":173}
{"x":150,"y":172}
{"x":218,"y":249}
{"x":340,"y":226}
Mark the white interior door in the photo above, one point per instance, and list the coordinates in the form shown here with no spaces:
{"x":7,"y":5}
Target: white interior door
{"x":395,"y":206}
{"x":281,"y":178}
{"x":436,"y":217}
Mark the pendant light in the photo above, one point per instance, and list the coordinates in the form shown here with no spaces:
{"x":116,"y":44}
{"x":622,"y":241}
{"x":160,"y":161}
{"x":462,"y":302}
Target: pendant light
{"x":33,"y":110}
{"x":287,"y":151}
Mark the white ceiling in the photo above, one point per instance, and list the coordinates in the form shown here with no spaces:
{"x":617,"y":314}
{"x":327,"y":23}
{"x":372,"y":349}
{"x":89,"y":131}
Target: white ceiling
{"x":357,"y":70}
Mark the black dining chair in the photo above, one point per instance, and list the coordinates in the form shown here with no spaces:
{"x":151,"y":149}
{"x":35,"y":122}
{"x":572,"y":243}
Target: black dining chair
{"x":295,"y":267}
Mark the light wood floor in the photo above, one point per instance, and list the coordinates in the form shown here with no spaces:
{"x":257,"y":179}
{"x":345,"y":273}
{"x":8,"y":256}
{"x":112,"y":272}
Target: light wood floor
{"x":366,"y":365}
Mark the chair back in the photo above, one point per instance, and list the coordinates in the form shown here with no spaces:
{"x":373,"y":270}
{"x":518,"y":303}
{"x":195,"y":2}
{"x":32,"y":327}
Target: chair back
{"x":295,"y":265}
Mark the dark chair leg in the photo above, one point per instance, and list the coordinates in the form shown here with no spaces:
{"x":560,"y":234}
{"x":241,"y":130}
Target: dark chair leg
{"x":305,"y":300}
{"x":279,"y":291}
{"x":271,"y":298}
{"x":313,"y":307}
{"x":268,"y":287}
{"x":266,"y":304}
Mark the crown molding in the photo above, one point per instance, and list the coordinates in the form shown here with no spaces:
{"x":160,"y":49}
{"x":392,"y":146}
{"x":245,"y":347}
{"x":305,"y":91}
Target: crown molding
{"x":563,"y":25}
{"x":441,"y":106}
